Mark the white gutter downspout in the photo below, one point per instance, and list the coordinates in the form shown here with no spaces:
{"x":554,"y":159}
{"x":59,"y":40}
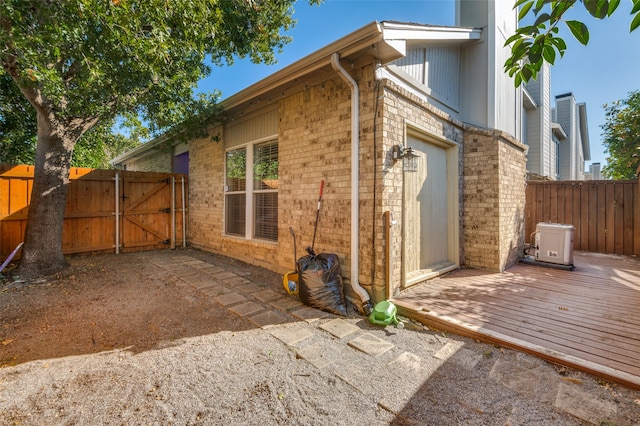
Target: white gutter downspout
{"x":355,"y":183}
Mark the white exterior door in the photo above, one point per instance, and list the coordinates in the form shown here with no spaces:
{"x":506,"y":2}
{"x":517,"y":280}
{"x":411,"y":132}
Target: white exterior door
{"x":429,"y":218}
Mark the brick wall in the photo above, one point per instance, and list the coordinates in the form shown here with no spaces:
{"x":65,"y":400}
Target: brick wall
{"x":315,"y":144}
{"x":402,"y":107}
{"x":158,"y":160}
{"x":494,"y":196}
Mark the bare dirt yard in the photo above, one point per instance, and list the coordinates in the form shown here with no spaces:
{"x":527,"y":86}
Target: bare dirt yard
{"x":187,"y":337}
{"x":104,"y":302}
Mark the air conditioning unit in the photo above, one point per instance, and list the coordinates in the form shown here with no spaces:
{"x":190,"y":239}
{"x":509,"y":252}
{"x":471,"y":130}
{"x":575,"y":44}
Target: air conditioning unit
{"x":554,"y":243}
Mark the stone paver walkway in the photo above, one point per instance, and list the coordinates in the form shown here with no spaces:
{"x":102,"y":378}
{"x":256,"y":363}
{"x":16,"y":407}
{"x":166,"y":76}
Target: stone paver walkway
{"x":393,"y":365}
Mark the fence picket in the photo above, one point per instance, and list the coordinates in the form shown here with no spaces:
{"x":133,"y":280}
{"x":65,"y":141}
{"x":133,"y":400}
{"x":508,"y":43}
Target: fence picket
{"x":605,"y":214}
{"x":94,"y":211}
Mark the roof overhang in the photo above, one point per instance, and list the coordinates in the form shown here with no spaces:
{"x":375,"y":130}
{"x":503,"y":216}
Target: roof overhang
{"x":139,"y":151}
{"x":558,"y":131}
{"x":384,"y":41}
{"x":527,"y":100}
{"x":387,"y":41}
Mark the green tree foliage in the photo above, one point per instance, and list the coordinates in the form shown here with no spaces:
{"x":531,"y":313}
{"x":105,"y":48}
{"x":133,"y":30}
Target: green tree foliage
{"x":84,"y":62}
{"x":621,"y":137}
{"x":540,"y":41}
{"x":18,"y":132}
{"x":17,"y":125}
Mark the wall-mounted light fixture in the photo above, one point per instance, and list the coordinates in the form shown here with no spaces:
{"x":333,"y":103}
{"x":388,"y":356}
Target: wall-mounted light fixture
{"x":408,"y":156}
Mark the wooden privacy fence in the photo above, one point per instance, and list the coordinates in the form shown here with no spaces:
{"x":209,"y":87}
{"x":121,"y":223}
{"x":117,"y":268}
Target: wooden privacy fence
{"x":605,"y":213}
{"x":107,"y":210}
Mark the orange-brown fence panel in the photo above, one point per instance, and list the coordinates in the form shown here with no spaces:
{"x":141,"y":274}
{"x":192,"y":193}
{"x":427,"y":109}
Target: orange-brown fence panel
{"x":106,"y":211}
{"x":605,"y":213}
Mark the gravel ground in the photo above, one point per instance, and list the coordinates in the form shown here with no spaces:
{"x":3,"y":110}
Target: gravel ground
{"x":230,"y":347}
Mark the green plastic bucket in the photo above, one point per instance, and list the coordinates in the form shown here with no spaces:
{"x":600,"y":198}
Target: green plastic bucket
{"x":384,"y":313}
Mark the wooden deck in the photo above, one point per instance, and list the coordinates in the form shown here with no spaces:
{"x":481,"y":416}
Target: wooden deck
{"x":588,"y":318}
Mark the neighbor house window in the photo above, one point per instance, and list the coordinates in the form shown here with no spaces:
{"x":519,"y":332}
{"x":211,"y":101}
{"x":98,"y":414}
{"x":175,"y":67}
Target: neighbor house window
{"x":251,"y":193}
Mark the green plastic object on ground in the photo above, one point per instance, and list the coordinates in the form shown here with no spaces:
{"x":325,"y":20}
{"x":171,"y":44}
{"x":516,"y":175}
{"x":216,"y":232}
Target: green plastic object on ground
{"x":384,"y":313}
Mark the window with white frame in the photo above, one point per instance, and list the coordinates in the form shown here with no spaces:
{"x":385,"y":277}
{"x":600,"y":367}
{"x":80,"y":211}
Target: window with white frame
{"x":251,"y":191}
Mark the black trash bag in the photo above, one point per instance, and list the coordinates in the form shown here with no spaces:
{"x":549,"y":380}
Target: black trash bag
{"x":320,"y":283}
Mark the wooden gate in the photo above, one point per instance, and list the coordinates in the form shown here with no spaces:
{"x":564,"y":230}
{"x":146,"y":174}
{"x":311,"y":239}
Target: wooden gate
{"x":106,"y":211}
{"x":148,"y":203}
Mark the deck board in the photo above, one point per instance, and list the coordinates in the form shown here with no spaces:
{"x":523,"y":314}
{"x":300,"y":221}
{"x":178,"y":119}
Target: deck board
{"x":588,"y":318}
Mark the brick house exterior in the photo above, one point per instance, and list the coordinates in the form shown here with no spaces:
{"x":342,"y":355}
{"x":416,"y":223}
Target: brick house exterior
{"x":306,"y":113}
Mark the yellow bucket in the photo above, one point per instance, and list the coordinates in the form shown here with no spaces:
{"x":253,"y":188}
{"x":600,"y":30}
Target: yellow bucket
{"x":290,"y":282}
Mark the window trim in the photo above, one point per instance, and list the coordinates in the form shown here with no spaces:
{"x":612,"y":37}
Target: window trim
{"x":249,"y":189}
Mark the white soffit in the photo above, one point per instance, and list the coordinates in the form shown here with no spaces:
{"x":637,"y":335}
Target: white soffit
{"x":417,"y":32}
{"x":558,"y":131}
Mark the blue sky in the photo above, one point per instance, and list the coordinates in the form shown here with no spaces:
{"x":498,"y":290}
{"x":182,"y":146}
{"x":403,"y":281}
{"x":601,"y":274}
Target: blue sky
{"x":602,"y":72}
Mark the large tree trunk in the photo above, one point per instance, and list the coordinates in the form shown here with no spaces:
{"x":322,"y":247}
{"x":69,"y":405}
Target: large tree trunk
{"x":42,"y":253}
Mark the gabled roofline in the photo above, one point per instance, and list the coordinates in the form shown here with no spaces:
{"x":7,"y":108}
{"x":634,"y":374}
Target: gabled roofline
{"x":390,"y":39}
{"x":391,"y":36}
{"x":140,"y":150}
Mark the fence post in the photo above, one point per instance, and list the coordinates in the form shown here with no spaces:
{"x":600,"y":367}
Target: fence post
{"x":184,"y":214}
{"x":636,"y":215}
{"x":117,"y":213}
{"x":173,"y":212}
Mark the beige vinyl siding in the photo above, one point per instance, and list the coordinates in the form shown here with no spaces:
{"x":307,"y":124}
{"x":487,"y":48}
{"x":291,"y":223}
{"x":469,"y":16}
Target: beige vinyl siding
{"x":255,"y":127}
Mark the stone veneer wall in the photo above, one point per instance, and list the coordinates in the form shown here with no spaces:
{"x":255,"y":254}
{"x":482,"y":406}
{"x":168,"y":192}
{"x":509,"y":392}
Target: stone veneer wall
{"x":494,"y":198}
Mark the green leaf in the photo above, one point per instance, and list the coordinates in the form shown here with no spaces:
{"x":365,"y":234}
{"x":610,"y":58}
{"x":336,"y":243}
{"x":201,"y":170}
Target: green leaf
{"x":541,"y":19}
{"x":560,"y":44}
{"x":549,"y":54}
{"x":579,"y":31}
{"x":518,"y":80}
{"x":525,"y":9}
{"x":635,"y":23}
{"x":597,"y":8}
{"x":519,"y":2}
{"x":539,"y":5}
{"x":636,"y":7}
{"x":512,"y":39}
{"x":613,"y":5}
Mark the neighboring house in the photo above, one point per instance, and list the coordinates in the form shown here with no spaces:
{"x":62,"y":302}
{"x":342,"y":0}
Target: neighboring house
{"x":557,"y":138}
{"x":340,"y":115}
{"x":537,"y":128}
{"x":574,"y":149}
{"x":594,"y":173}
{"x":159,"y":155}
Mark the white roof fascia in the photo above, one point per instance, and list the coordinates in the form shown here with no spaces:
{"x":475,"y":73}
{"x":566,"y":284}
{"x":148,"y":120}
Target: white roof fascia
{"x":527,"y":99}
{"x":392,"y":35}
{"x":558,"y":131}
{"x":417,"y":32}
{"x":139,"y":151}
{"x":369,"y":34}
